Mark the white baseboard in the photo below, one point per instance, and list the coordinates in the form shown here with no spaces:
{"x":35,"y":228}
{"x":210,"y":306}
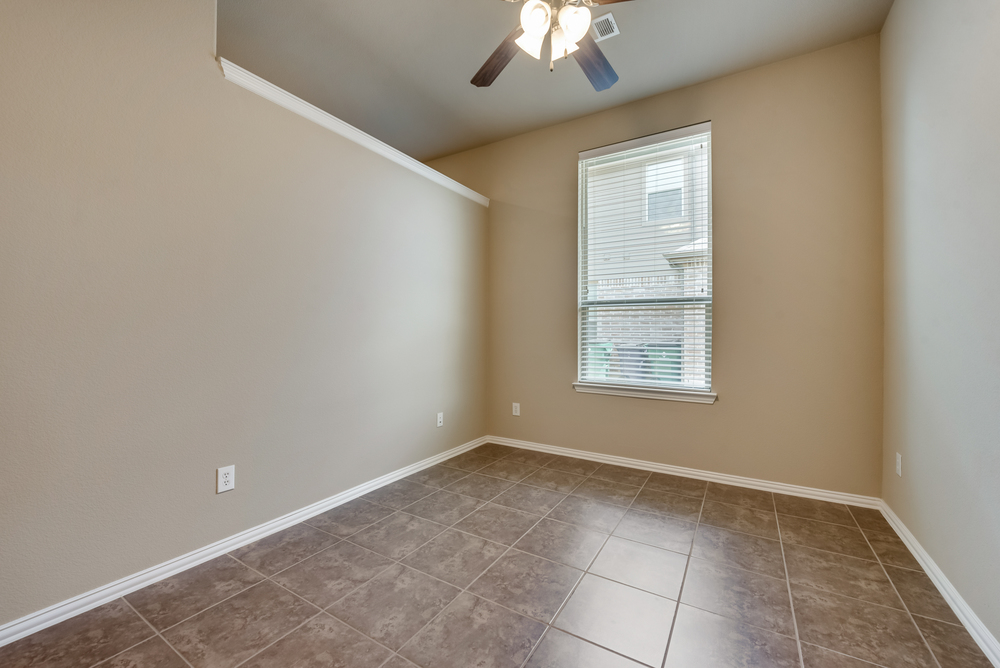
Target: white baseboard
{"x":975,"y":626}
{"x":54,"y":614}
{"x":724,"y":478}
{"x":986,"y":640}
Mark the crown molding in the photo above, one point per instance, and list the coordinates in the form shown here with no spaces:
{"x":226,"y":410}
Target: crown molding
{"x":279,"y":96}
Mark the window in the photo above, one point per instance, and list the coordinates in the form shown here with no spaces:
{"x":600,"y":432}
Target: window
{"x":645,"y":291}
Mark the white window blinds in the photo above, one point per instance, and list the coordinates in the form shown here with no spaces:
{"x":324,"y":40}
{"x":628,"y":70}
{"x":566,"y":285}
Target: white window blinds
{"x":645,"y":292}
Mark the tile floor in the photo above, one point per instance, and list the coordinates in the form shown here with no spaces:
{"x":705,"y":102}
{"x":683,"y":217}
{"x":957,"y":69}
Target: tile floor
{"x":506,"y":558}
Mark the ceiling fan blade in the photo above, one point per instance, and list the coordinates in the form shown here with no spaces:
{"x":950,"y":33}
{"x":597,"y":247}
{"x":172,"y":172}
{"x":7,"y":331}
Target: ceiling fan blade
{"x":494,"y":65}
{"x":593,"y":63}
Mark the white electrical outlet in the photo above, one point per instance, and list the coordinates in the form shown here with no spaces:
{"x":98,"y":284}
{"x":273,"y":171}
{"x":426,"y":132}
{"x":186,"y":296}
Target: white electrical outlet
{"x":899,"y":465}
{"x":440,"y":419}
{"x":517,"y":410}
{"x":225,"y":479}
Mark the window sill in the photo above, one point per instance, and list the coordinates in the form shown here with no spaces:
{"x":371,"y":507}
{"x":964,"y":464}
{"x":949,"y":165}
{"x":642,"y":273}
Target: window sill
{"x":666,"y":394}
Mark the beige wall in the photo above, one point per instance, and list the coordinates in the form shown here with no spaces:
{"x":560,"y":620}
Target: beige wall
{"x":798,"y":278}
{"x":191,"y":276}
{"x":941,"y":92}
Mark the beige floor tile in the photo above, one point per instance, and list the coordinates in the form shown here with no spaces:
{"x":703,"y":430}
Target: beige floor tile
{"x":641,"y":566}
{"x":740,"y":550}
{"x":397,"y":535}
{"x":891,"y":550}
{"x":740,"y":496}
{"x":527,"y":584}
{"x":561,"y":650}
{"x":153,"y":653}
{"x":526,"y":498}
{"x":508,"y":470}
{"x":322,"y":642}
{"x":394,"y":605}
{"x":444,"y":507}
{"x":349,"y":518}
{"x":480,"y":487}
{"x":498,"y":524}
{"x":952,"y":644}
{"x":437,"y":476}
{"x":920,"y":595}
{"x":173,"y":600}
{"x":566,"y":543}
{"x":661,"y":531}
{"x":620,"y":618}
{"x":474,"y":632}
{"x":603,"y":517}
{"x":738,"y":518}
{"x":455,"y":557}
{"x":239,"y":627}
{"x":825,"y":536}
{"x":285,"y":548}
{"x":83,"y":640}
{"x":840,"y":574}
{"x":811,"y":509}
{"x":622,"y":474}
{"x":656,"y":501}
{"x":701,"y":638}
{"x":677,"y":485}
{"x":581,"y":467}
{"x":558,"y":481}
{"x":743,"y":596}
{"x":607,"y":491}
{"x":884,"y":636}
{"x":325,"y":578}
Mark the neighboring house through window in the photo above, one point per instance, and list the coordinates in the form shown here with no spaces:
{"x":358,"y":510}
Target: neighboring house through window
{"x":645,"y":267}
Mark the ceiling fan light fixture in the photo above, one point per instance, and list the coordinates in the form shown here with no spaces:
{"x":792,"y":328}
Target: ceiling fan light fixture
{"x":561,"y":46}
{"x":531,"y":45}
{"x":575,"y":22}
{"x":536,"y":17}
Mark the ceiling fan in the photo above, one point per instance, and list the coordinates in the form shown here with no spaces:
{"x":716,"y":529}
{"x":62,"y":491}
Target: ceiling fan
{"x":569,"y":29}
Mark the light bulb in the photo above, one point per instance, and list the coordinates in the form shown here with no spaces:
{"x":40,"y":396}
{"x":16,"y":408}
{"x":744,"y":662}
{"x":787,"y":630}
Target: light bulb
{"x":536,"y":16}
{"x":575,"y":22}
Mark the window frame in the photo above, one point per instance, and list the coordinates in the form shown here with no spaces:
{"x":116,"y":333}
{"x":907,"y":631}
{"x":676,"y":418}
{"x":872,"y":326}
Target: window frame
{"x":645,"y":391}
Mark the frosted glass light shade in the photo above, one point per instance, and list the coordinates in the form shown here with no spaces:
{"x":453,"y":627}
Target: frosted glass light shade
{"x":561,"y":47}
{"x":531,"y":45}
{"x":536,"y":17}
{"x":575,"y":22}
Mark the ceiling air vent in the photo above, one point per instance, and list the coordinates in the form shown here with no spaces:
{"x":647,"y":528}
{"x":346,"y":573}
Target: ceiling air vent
{"x":604,"y":27}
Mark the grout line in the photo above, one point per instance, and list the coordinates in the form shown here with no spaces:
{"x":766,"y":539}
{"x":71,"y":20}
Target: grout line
{"x":788,"y":585}
{"x":905,"y":607}
{"x":853,"y":598}
{"x":680,"y":592}
{"x":158,"y":635}
{"x":220,"y":602}
{"x":465,"y":589}
{"x":283,"y":636}
{"x":854,"y":658}
{"x":740,"y":621}
{"x":562,"y":606}
{"x":321,"y":610}
{"x":548,"y":625}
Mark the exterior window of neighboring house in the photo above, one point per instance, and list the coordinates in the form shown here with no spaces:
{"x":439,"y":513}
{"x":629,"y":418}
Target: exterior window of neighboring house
{"x":645,"y":266}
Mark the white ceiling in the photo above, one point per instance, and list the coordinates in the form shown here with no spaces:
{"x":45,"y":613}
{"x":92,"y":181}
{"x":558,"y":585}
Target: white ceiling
{"x":400,"y":69}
